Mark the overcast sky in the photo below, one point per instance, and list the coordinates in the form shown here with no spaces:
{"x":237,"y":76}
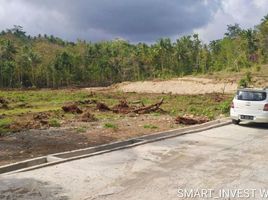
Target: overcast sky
{"x":133,"y":20}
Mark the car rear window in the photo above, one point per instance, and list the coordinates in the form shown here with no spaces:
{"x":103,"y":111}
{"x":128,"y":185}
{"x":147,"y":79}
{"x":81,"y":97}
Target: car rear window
{"x":251,"y":95}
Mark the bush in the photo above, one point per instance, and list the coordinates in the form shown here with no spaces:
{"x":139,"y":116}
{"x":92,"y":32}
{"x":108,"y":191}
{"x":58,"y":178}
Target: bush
{"x":246,"y":80}
{"x":248,"y":77}
{"x":243,"y":83}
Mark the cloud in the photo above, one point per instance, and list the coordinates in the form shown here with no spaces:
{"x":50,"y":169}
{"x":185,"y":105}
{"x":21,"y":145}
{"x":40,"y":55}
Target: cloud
{"x":247,"y":13}
{"x":134,"y":20}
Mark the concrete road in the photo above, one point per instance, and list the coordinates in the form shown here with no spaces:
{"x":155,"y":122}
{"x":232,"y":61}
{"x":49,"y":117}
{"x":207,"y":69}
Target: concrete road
{"x":210,"y":163}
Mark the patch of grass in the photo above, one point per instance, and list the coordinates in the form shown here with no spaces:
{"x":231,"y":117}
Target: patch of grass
{"x":225,"y":107}
{"x":156,"y":114}
{"x":199,"y":105}
{"x":54,"y":122}
{"x":41,"y":100}
{"x":111,"y":126}
{"x":4,"y":125}
{"x":150,"y":126}
{"x":81,"y":129}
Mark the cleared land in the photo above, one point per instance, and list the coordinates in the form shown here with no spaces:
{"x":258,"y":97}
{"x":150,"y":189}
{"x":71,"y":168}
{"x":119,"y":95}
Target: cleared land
{"x":179,"y":86}
{"x":218,"y":82}
{"x":33,"y":123}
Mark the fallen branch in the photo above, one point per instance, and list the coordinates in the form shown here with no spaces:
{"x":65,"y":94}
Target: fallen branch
{"x":124,"y":108}
{"x":148,"y":109}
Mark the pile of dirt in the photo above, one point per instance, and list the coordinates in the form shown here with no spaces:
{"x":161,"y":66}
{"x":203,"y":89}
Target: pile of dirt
{"x":3,"y":103}
{"x":72,"y":108}
{"x":122,"y":107}
{"x":191,"y":120}
{"x":39,"y":120}
{"x":24,"y":125}
{"x":42,"y":117}
{"x":102,"y":107}
{"x":88,"y":117}
{"x":3,"y":100}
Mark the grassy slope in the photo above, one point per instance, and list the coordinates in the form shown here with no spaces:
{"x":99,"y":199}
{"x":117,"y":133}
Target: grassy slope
{"x":260,"y":76}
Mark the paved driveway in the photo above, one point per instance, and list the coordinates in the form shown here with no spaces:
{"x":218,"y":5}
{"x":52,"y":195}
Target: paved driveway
{"x":214,"y":162}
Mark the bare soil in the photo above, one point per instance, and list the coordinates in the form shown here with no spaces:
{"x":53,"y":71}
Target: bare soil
{"x":187,"y":85}
{"x":33,"y":143}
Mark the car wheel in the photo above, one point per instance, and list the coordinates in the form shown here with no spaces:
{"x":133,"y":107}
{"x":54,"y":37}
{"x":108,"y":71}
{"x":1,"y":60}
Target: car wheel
{"x":236,"y":122}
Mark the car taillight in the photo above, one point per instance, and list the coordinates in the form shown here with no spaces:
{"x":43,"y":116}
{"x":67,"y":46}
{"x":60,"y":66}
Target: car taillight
{"x":265,"y":107}
{"x":232,"y":104}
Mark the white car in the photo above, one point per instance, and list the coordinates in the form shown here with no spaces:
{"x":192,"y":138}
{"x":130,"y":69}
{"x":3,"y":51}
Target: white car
{"x":250,"y":105}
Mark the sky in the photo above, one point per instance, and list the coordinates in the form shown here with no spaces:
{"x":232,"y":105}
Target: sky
{"x":132,"y":20}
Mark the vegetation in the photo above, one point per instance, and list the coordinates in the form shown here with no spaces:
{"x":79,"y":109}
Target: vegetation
{"x":246,"y":81}
{"x":4,"y":124}
{"x":110,"y":125}
{"x":48,"y":61}
{"x":28,"y":109}
{"x":54,"y":122}
{"x":150,"y":126}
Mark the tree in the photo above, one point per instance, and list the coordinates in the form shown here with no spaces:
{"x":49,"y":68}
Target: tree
{"x":233,"y":31}
{"x":7,"y":63}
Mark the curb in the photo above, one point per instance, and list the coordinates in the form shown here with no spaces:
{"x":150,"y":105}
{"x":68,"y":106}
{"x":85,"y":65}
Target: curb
{"x":57,"y":158}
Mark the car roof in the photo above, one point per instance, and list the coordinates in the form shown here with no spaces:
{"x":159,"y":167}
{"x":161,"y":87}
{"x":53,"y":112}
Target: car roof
{"x":254,"y":89}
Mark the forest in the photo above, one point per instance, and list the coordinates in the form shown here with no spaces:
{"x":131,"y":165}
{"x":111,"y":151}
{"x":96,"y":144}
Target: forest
{"x":44,"y":61}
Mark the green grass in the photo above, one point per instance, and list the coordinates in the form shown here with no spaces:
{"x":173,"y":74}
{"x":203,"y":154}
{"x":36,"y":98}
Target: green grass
{"x":111,"y":126}
{"x":4,"y":125}
{"x":200,"y":105}
{"x":81,"y":129}
{"x":54,"y":122}
{"x":39,"y":101}
{"x":52,"y":101}
{"x":150,"y":126}
{"x":49,"y":100}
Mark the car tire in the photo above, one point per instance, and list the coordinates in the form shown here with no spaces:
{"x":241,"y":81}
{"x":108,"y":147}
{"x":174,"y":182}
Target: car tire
{"x":236,"y":122}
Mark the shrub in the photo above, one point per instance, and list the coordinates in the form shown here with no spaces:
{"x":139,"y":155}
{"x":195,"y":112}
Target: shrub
{"x":246,"y":80}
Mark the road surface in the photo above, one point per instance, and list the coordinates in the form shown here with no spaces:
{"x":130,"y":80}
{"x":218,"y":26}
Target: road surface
{"x":230,"y":158}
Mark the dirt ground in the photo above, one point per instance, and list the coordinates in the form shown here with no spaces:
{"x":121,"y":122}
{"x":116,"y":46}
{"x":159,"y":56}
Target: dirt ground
{"x":187,"y":85}
{"x":33,"y":143}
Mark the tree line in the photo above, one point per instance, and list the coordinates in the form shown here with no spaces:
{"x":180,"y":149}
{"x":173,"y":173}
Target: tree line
{"x":49,"y":62}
